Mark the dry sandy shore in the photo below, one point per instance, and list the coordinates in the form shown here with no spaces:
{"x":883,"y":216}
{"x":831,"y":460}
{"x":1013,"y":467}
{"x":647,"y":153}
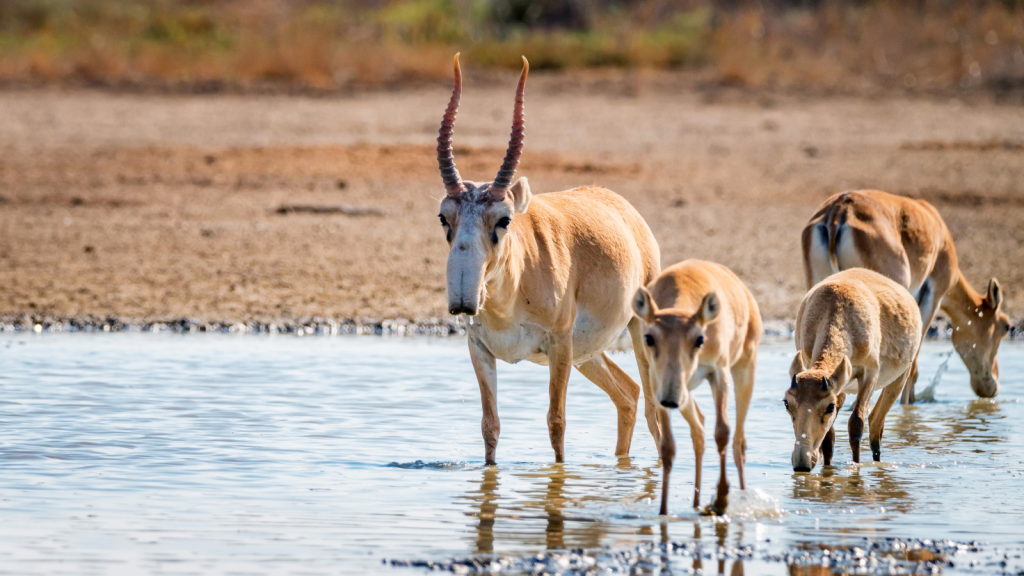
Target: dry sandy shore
{"x":159,"y":207}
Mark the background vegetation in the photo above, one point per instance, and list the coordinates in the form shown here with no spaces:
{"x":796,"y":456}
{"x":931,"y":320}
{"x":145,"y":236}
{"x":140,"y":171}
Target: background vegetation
{"x":919,"y":46}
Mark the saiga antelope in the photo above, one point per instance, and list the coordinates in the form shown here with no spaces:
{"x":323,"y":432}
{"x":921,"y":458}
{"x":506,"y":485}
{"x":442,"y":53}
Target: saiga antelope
{"x":908,"y":241}
{"x":856,"y":331}
{"x":700,"y":323}
{"x":546,"y":278}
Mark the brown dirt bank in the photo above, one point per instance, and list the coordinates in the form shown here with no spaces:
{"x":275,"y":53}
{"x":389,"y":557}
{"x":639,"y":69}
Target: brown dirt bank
{"x":156,"y":207}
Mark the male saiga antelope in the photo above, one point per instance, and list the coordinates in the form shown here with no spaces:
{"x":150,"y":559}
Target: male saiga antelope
{"x":906,"y":240}
{"x":700,"y":323}
{"x":546,"y":278}
{"x":856,"y":331}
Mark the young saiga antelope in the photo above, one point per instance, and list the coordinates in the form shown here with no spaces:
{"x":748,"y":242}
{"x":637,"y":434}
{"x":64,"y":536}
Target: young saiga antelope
{"x":906,"y":240}
{"x":856,"y":331}
{"x":546,"y":278}
{"x":700,"y":323}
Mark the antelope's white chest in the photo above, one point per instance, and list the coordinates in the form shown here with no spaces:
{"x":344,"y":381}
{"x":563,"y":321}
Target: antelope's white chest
{"x":521,"y":341}
{"x":529,"y":341}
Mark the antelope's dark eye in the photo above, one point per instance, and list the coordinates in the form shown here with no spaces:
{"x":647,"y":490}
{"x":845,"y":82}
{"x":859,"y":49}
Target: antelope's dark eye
{"x":444,"y":221}
{"x":699,"y":342}
{"x":786,"y":403}
{"x":831,"y":408}
{"x":649,"y":340}
{"x":503,"y":222}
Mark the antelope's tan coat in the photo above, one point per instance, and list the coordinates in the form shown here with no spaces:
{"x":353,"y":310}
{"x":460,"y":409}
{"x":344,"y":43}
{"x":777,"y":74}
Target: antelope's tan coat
{"x":699,"y":323}
{"x":546,"y":278}
{"x":907,"y":241}
{"x":856,"y":332}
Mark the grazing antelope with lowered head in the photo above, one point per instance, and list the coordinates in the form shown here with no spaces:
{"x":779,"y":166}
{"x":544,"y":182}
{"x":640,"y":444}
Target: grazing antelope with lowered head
{"x":546,"y":278}
{"x":700,"y":323}
{"x":907,"y":240}
{"x":856,"y":331}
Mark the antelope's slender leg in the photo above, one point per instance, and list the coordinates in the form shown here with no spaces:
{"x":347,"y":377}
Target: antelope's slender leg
{"x":623,"y":391}
{"x":907,"y":394}
{"x":694,"y":417}
{"x":876,"y":421}
{"x":743,"y":380}
{"x":487,"y":377}
{"x":828,"y":445}
{"x":643,"y":362}
{"x":667,"y":450}
{"x":866,"y":387}
{"x":720,"y":388}
{"x":929,"y":304}
{"x":560,"y":363}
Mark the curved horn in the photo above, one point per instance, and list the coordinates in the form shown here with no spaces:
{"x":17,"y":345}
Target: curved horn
{"x":515,"y":145}
{"x":445,"y":156}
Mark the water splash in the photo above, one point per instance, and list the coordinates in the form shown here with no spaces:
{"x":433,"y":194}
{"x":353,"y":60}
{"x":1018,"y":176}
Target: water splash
{"x":753,"y":503}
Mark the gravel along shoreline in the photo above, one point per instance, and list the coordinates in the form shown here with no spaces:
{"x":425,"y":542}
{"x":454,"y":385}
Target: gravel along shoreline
{"x":888,"y":556}
{"x":941,"y":329}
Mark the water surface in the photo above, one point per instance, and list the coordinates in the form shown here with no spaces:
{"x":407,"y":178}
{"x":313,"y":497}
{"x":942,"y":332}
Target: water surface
{"x":216,"y":454}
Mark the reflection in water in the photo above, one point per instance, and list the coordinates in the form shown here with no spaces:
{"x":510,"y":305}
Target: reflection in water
{"x":296,"y":470}
{"x":976,"y":423}
{"x":551,"y":495}
{"x":865,"y":485}
{"x":486,"y":496}
{"x":981,"y":421}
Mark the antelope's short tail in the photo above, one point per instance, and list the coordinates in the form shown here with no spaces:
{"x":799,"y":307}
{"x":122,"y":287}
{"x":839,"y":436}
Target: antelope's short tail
{"x":835,"y":221}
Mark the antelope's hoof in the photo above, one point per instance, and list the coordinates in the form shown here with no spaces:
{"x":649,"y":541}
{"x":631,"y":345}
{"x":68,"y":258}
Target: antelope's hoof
{"x":716,"y":508}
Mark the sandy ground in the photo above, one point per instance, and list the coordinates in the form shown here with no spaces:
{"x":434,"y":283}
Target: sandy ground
{"x":158,"y":207}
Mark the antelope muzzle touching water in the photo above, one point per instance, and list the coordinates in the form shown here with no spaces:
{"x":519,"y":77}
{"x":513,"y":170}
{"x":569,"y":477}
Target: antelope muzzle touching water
{"x":856,"y":332}
{"x":700,"y":323}
{"x":906,"y":240}
{"x":546,"y":278}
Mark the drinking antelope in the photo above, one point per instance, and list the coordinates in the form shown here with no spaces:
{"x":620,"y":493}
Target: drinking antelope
{"x":908,"y":241}
{"x":545,"y":278}
{"x":854,"y":330}
{"x":700,"y":323}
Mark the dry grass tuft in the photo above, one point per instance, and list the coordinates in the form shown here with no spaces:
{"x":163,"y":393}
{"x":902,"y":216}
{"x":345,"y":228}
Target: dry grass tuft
{"x":920,"y":47}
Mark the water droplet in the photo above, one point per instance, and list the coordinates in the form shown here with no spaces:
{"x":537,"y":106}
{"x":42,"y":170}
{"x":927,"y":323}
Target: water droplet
{"x":968,"y":322}
{"x":803,"y":435}
{"x":979,"y":314}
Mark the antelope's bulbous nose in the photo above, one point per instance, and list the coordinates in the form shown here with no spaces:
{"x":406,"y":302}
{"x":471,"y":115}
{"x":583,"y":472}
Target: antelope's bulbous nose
{"x":462,"y":308}
{"x":803,"y":459}
{"x":985,"y":388}
{"x":670,"y":404}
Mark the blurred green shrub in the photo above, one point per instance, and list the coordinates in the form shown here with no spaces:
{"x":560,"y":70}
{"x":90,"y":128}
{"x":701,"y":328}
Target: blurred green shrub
{"x":924,"y":45}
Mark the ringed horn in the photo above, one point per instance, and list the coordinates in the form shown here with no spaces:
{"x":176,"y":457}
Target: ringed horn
{"x":446,"y":158}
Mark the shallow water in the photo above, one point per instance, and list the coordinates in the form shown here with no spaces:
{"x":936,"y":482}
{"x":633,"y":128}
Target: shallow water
{"x":133,"y":453}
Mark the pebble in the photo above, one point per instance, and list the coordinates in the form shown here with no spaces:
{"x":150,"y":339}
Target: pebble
{"x":887,"y":556}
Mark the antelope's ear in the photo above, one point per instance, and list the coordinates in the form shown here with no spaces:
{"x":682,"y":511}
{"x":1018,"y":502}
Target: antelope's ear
{"x":994,"y":298}
{"x":520,"y":195}
{"x":644,"y":306}
{"x":840,"y":376}
{"x":797,"y":366}
{"x":709,"y":309}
